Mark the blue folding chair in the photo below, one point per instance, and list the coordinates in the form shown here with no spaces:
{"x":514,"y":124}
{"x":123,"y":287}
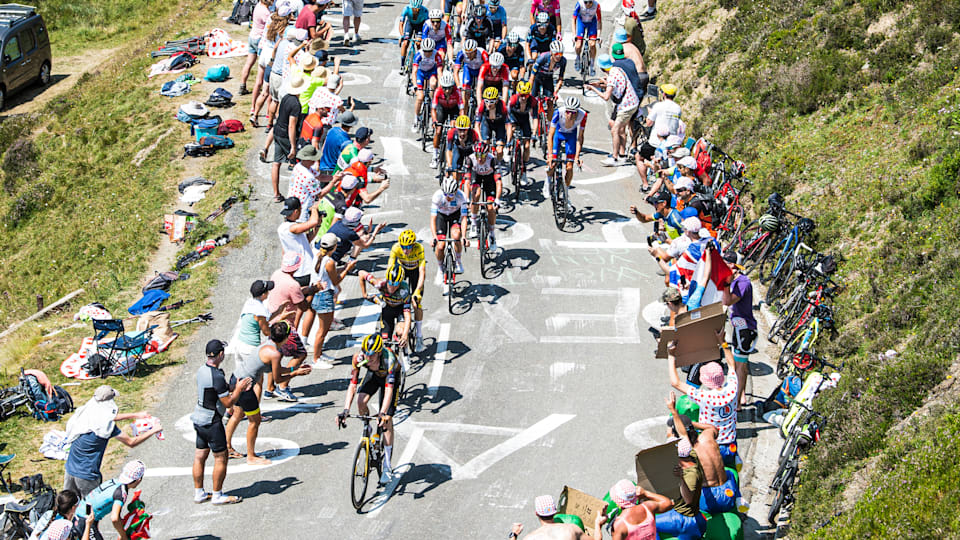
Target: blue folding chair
{"x":124,"y":347}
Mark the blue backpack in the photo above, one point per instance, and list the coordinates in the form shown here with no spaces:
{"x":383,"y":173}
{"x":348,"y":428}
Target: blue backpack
{"x":204,"y":127}
{"x":46,"y":408}
{"x":174,"y":89}
{"x":216,"y":141}
{"x":218,"y":73}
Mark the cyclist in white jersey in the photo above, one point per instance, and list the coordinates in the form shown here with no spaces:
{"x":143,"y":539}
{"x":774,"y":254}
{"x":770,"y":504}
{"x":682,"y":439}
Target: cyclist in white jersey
{"x":448,"y":212}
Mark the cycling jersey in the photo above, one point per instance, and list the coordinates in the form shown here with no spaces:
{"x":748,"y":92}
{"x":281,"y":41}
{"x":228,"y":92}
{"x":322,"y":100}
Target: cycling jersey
{"x":440,"y":205}
{"x":453,"y":139}
{"x":494,"y":78}
{"x":473,"y":64}
{"x":387,"y":370}
{"x":448,"y":100}
{"x":429,"y":62}
{"x":522,"y":105}
{"x":544,"y":67}
{"x":586,"y":15}
{"x":441,"y":36}
{"x":515,"y":59}
{"x":397,"y":298}
{"x":479,"y":30}
{"x":416,"y":20}
{"x":561,"y":124}
{"x":497,"y":16}
{"x":540,"y":42}
{"x":497,"y":114}
{"x":484,"y":166}
{"x":550,"y":8}
{"x":409,"y":260}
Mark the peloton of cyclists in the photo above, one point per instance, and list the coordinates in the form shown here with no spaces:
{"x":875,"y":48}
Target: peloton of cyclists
{"x":426,"y":65}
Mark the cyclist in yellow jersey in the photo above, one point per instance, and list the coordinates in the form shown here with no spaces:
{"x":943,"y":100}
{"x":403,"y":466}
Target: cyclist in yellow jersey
{"x":410,"y":255}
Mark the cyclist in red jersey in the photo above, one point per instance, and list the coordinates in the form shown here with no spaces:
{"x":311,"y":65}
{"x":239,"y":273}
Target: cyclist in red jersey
{"x":447,"y":106}
{"x":521,"y":108}
{"x":493,"y":74}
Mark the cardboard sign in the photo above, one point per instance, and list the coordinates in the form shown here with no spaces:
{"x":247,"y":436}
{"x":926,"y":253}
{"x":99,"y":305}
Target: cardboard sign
{"x":695,"y":334}
{"x":655,"y":469}
{"x":578,"y":503}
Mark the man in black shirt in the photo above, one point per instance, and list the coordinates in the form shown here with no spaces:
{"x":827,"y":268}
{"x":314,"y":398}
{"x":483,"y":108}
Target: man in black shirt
{"x":285,"y":130}
{"x":214,"y":398}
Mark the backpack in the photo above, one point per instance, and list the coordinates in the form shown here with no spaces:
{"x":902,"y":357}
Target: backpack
{"x":97,"y":365}
{"x":230,"y":126}
{"x":197,"y":150}
{"x":204,"y":126}
{"x":216,"y":141}
{"x":182,"y":60}
{"x":161,"y":281}
{"x":242,"y":12}
{"x":220,"y":98}
{"x":47,"y":408}
{"x":218,"y":73}
{"x":701,"y":153}
{"x":174,"y":89}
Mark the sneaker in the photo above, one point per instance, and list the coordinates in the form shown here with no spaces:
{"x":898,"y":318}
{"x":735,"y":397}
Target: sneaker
{"x":202,"y":498}
{"x":418,"y":345}
{"x":472,"y":233}
{"x":322,"y":363}
{"x":356,"y":38}
{"x":648,"y":15}
{"x":385,"y":477}
{"x":244,"y":91}
{"x":346,"y":40}
{"x":337,"y":324}
{"x":446,"y":289}
{"x":524,"y":181}
{"x":435,"y":162}
{"x":284,"y":394}
{"x":576,"y":63}
{"x":612,"y":162}
{"x":415,"y":127}
{"x":269,"y":395}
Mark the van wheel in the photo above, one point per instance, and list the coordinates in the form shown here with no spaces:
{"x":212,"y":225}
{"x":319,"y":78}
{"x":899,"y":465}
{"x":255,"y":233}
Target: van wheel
{"x":44,"y":77}
{"x":3,"y":98}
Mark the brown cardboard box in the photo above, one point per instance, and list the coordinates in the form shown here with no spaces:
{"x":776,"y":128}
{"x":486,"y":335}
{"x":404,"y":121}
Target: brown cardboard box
{"x":578,"y":503}
{"x":655,"y":469}
{"x":695,"y":333}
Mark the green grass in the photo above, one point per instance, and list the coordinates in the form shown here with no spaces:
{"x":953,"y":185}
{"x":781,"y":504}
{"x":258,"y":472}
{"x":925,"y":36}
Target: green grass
{"x":76,"y":26}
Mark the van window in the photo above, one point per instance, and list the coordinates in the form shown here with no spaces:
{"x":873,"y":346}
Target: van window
{"x":41,"y":35}
{"x":28,"y":42}
{"x":12,"y":49}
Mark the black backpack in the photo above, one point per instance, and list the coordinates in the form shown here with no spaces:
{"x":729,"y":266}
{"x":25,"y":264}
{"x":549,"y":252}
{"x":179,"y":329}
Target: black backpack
{"x":198,"y":150}
{"x":98,"y":365}
{"x":242,"y":12}
{"x":161,"y":281}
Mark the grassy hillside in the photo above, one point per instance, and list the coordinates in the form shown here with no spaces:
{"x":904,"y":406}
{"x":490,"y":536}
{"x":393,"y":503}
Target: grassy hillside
{"x":852,"y":110}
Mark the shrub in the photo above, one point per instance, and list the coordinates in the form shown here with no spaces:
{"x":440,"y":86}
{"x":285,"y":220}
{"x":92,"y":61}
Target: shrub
{"x":19,"y":162}
{"x":33,"y":197}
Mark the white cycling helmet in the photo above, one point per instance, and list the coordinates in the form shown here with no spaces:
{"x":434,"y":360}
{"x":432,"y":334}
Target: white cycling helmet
{"x":556,"y":47}
{"x":427,"y":45}
{"x":571,"y":103}
{"x":446,"y":80}
{"x":449,"y":185}
{"x":513,"y":38}
{"x":435,"y":14}
{"x":543,"y":18}
{"x":496,"y":60}
{"x":470,"y":45}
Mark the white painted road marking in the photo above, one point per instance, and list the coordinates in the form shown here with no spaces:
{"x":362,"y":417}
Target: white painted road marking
{"x":393,"y":157}
{"x":624,"y":317}
{"x":439,"y":359}
{"x":642,"y":433}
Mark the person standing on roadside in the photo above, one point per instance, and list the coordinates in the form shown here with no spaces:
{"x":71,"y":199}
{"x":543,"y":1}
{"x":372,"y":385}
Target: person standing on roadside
{"x":740,"y":299}
{"x":214,"y":397}
{"x":288,"y":302}
{"x":261,"y":16}
{"x":664,"y":115}
{"x":336,"y":140}
{"x":285,"y":130}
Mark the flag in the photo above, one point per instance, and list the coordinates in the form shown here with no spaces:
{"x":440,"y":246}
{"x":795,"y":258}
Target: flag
{"x":708,"y":289}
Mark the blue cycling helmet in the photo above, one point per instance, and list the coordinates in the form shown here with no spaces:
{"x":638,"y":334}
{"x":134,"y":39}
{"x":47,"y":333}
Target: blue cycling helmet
{"x":604,"y":62}
{"x":416,"y":4}
{"x":620,"y":36}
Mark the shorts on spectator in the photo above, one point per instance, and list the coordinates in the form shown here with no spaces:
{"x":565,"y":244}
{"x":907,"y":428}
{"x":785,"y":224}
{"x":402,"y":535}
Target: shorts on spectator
{"x":211,"y":436}
{"x":352,"y":8}
{"x":252,"y":45}
{"x":624,"y":115}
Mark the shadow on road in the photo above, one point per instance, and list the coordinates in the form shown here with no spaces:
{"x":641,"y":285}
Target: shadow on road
{"x":267,"y":487}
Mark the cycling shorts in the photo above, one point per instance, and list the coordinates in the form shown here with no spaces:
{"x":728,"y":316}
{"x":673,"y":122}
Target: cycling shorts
{"x":248,"y":402}
{"x":373,"y":383}
{"x":543,"y":86}
{"x":743,"y":339}
{"x":389,"y":315}
{"x":413,"y":277}
{"x":448,"y":6}
{"x":521,"y":122}
{"x":589,"y":29}
{"x":459,"y":155}
{"x":423,"y":76}
{"x":445,"y":114}
{"x":569,"y":141}
{"x":212,"y":436}
{"x":446,"y":222}
{"x":410,"y":29}
{"x":487,"y":183}
{"x":467,"y":75}
{"x":494,"y":130}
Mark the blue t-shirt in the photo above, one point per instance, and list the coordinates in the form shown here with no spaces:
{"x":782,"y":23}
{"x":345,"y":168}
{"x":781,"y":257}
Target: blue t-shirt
{"x":347,"y":237}
{"x":419,"y":19}
{"x":86,"y":455}
{"x":337,"y":139}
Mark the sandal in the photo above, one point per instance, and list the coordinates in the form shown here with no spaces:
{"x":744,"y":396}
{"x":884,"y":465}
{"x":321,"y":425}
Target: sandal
{"x":253,"y":121}
{"x":233,"y":454}
{"x":231,"y":499}
{"x":278,"y":198}
{"x":263,"y":156}
{"x":269,"y":127}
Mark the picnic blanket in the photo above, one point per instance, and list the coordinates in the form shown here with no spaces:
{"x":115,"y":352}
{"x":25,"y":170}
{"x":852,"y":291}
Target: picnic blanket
{"x":221,"y":45}
{"x":72,"y":367}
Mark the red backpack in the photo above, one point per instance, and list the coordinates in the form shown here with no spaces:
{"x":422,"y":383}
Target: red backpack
{"x":701,"y":153}
{"x":229,"y":126}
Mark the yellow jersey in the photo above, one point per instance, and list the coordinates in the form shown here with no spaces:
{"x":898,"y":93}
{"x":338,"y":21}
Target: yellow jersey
{"x":408,"y":260}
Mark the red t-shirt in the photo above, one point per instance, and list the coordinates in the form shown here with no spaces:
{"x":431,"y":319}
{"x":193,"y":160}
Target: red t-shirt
{"x":307,"y":19}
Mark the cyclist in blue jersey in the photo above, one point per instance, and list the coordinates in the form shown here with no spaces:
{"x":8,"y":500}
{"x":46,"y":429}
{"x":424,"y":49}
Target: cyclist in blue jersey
{"x":541,"y":34}
{"x":411,"y":23}
{"x":549,"y":67}
{"x":479,"y":28}
{"x":439,"y":31}
{"x":566,"y":133}
{"x":426,"y":65}
{"x":498,"y":19}
{"x":589,"y":24}
{"x":514,"y":57}
{"x":468,"y":63}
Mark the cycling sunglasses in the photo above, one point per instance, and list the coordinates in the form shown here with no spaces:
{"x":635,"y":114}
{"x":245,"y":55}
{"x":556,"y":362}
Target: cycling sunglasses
{"x":394,"y":283}
{"x":407,"y":248}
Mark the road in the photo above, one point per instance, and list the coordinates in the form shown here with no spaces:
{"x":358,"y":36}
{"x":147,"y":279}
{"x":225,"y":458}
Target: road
{"x":529,"y":387}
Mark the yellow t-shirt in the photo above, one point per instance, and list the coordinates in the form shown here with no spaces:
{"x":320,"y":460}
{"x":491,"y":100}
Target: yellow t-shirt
{"x":408,"y":260}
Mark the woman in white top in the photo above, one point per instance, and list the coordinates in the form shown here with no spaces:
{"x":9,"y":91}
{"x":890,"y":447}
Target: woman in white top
{"x":327,"y":280}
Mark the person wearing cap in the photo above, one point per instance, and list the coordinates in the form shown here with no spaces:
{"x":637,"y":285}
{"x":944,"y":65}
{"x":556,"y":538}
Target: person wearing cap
{"x":722,"y":490}
{"x":545,"y":507}
{"x":350,"y":240}
{"x":326,"y":279}
{"x":638,"y":507}
{"x":285,"y":131}
{"x":360,"y":168}
{"x":352,"y":192}
{"x":619,"y":90}
{"x":668,"y":255}
{"x":363,"y":139}
{"x":295,"y":235}
{"x":334,"y":143}
{"x":89,"y":430}
{"x":214,"y":397}
{"x":254,"y":322}
{"x":672,"y":298}
{"x":629,"y":67}
{"x":739,"y":298}
{"x":307,"y":66}
{"x":664,"y":114}
{"x":289,"y":301}
{"x":684,"y":520}
{"x":109,"y":499}
{"x":664,"y":208}
{"x":305,"y":186}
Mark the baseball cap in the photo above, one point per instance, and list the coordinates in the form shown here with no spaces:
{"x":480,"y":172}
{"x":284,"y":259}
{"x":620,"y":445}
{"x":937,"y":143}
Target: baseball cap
{"x":660,"y":198}
{"x":624,"y":493}
{"x":711,"y":375}
{"x":348,"y":182}
{"x":290,"y":261}
{"x":684,"y":182}
{"x":664,"y":131}
{"x":352,"y":216}
{"x":260,"y":286}
{"x":545,"y":506}
{"x":347,"y":118}
{"x":687,"y":162}
{"x":365,"y":155}
{"x":617,"y":51}
{"x":672,"y":140}
{"x":104,"y":392}
{"x":284,"y":10}
{"x":300,"y":34}
{"x":364,"y":133}
{"x":132,"y":472}
{"x":290,"y":205}
{"x":329,"y":240}
{"x":731,"y":256}
{"x":691,"y":224}
{"x":620,"y":36}
{"x":680,"y":153}
{"x":215,"y":347}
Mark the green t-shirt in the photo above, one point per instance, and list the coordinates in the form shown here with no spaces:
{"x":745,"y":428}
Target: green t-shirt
{"x":328,"y":211}
{"x":693,"y":478}
{"x":346,"y":157}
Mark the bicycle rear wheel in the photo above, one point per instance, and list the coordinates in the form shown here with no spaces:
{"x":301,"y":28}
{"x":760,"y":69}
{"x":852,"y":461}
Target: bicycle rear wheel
{"x":360,"y":473}
{"x":732,"y":224}
{"x":449,"y":275}
{"x":543,"y":132}
{"x":784,"y":493}
{"x":559,"y":199}
{"x":516,"y":155}
{"x":777,"y":283}
{"x":425,"y":121}
{"x":482,"y":234}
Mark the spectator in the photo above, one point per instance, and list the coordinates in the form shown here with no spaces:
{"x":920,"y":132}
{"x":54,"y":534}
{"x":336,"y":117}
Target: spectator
{"x":214,"y":398}
{"x":360,"y":168}
{"x":261,"y":16}
{"x":666,"y":254}
{"x":546,"y":507}
{"x":254,"y":323}
{"x":671,"y":297}
{"x":261,"y":90}
{"x":285,"y":131}
{"x":288,"y":303}
{"x":363,"y":139}
{"x":295,"y":234}
{"x":349,"y":241}
{"x":279,"y":67}
{"x":630,"y":51}
{"x":326,"y":280}
{"x":308,"y":18}
{"x":740,"y":299}
{"x":636,"y":521}
{"x":61,"y":523}
{"x":663,"y":210}
{"x":109,"y":498}
{"x":352,"y":8}
{"x":305,"y":186}
{"x":89,"y":430}
{"x":684,"y":520}
{"x":664,"y":114}
{"x":619,"y":90}
{"x":337,"y":139}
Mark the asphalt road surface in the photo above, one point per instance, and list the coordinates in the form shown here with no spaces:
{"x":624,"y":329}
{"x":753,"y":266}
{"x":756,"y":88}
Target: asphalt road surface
{"x":545,"y":377}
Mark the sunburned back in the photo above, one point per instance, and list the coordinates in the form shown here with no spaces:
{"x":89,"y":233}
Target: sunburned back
{"x":556,"y":531}
{"x":709,"y":454}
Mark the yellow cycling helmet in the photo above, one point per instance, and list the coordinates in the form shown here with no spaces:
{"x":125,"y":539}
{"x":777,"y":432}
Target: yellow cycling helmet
{"x":463,"y":122}
{"x":372,"y":344}
{"x":396,"y":274}
{"x":491,"y":93}
{"x":408,"y":238}
{"x":669,"y":89}
{"x":524,"y":88}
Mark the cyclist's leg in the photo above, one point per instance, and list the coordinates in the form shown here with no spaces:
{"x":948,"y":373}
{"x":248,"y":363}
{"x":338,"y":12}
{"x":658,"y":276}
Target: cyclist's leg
{"x":570,"y":147}
{"x":500,"y":137}
{"x":578,"y":39}
{"x":591,"y":35}
{"x":405,"y":40}
{"x":388,"y":318}
{"x":489,"y":188}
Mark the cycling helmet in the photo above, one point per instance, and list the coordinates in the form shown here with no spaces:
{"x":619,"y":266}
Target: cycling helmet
{"x":491,"y":94}
{"x":806,"y":225}
{"x":481,"y":147}
{"x":407,"y":238}
{"x":513,"y":38}
{"x":669,"y":89}
{"x":395,"y":274}
{"x":479,"y":12}
{"x":463,"y":122}
{"x":427,"y":45}
{"x":470,"y":45}
{"x":449,"y":185}
{"x":416,"y":4}
{"x":524,"y":87}
{"x":372,"y":344}
{"x":769,"y":223}
{"x":556,"y":47}
{"x":571,"y":103}
{"x":604,"y":62}
{"x":496,"y":60}
{"x":446,"y":80}
{"x":435,"y":14}
{"x":543,"y":18}
{"x":494,"y":3}
{"x":775,"y":200}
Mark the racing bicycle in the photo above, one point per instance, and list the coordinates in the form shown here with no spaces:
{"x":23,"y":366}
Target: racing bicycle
{"x":483,"y":236}
{"x":518,"y":167}
{"x":559,"y":192}
{"x":367,"y":456}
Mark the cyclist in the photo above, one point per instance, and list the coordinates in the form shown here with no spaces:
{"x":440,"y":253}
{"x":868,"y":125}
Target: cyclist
{"x":546,"y":68}
{"x":493,"y":74}
{"x":447,"y":106}
{"x":492,"y":120}
{"x":395,"y":293}
{"x":439,"y":31}
{"x":541,"y":34}
{"x":460,"y":142}
{"x":383,"y":368}
{"x":551,"y":8}
{"x":514,"y":56}
{"x":589,"y":24}
{"x":521,"y":107}
{"x":479,"y":29}
{"x":412,"y":20}
{"x":426,"y":64}
{"x":626,"y":103}
{"x":486,"y":182}
{"x":409,"y":254}
{"x":566,"y":127}
{"x":498,"y":19}
{"x":468,"y":64}
{"x":448,"y":216}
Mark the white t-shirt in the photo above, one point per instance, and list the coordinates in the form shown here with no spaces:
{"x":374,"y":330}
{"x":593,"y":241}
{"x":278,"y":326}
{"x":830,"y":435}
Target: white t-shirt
{"x":665,"y":114}
{"x":718,"y":408}
{"x":296,"y":243}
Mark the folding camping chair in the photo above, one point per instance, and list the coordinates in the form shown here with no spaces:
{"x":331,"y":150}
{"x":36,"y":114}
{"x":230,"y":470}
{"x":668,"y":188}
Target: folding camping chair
{"x":124,"y":347}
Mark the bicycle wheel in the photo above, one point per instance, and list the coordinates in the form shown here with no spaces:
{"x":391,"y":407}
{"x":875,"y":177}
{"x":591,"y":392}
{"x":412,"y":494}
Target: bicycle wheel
{"x":784,"y":493}
{"x":790,"y":348}
{"x":360,"y":473}
{"x":757,"y":250}
{"x":516,"y":155}
{"x":732,"y":224}
{"x":559,"y":200}
{"x":786,"y":313}
{"x":449,"y":264}
{"x":746,"y":236}
{"x":482,"y":244}
{"x":425,"y":121}
{"x":543,"y":133}
{"x":777,"y":283}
